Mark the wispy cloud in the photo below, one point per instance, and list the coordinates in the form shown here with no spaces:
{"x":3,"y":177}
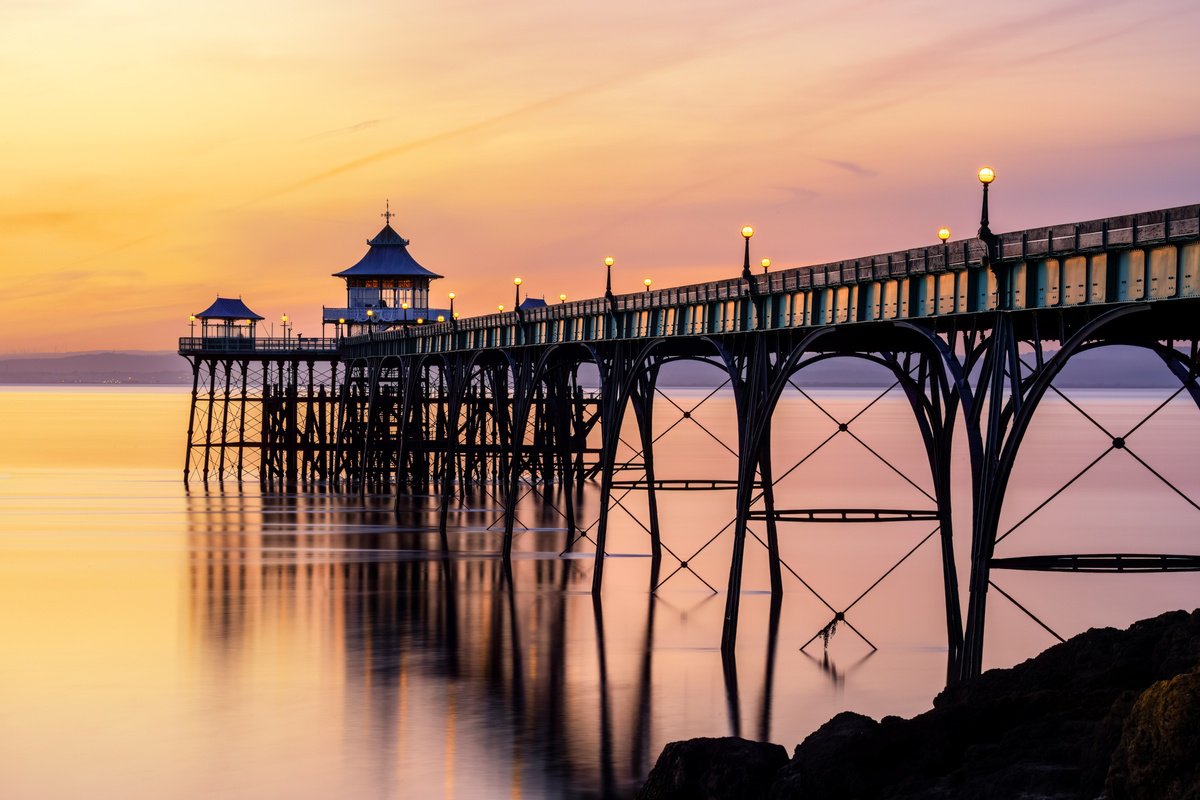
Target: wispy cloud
{"x":851,"y":167}
{"x":361,"y":126}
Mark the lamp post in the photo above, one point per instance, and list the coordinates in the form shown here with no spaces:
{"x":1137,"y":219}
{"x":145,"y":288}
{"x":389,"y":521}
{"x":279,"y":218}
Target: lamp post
{"x":647,"y":282}
{"x":517,"y":289}
{"x":452,"y":305}
{"x":192,"y":321}
{"x":562,"y":298}
{"x":285,"y":328}
{"x":500,"y":308}
{"x":986,"y":176}
{"x":370,"y":322}
{"x":341,"y":327}
{"x":747,"y":232}
{"x":765,"y":264}
{"x":608,"y":264}
{"x":441,"y":318}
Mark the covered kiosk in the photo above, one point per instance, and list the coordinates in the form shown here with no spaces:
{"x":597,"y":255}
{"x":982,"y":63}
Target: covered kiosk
{"x":229,"y":322}
{"x":387,"y":287}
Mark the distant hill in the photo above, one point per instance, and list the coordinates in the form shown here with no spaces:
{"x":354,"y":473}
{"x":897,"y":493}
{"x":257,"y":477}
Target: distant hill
{"x":105,"y":367}
{"x":1110,"y":367}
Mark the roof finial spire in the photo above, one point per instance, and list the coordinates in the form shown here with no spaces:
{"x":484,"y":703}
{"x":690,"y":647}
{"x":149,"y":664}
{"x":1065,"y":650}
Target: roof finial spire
{"x":387,"y":212}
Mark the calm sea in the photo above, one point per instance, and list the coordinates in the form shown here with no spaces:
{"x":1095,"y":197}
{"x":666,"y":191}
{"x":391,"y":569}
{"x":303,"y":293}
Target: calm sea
{"x":160,"y":642}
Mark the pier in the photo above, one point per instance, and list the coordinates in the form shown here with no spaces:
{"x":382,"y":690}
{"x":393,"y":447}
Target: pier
{"x":973,"y":331}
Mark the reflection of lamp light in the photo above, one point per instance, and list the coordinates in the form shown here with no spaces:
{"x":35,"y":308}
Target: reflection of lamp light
{"x":647,"y":282}
{"x":747,"y":232}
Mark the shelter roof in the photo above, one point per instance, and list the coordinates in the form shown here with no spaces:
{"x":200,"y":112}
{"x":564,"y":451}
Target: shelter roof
{"x":228,"y":308}
{"x":532,"y":302}
{"x":388,"y":257}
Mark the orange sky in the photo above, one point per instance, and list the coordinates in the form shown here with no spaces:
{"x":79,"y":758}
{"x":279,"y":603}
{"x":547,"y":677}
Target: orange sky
{"x":157,"y":153}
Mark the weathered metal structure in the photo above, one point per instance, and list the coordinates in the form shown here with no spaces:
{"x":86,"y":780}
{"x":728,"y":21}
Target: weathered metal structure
{"x":973,"y":331}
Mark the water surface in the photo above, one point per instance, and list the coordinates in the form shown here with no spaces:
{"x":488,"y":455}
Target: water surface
{"x":166,"y":643}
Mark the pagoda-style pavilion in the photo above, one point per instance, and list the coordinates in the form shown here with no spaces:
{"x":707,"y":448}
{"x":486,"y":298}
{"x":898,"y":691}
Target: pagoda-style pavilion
{"x":386,"y":288}
{"x":228,"y":318}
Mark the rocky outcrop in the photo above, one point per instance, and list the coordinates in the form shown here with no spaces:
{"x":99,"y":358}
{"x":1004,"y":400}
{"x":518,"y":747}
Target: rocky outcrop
{"x":1108,"y":712}
{"x":708,"y":769}
{"x":1158,"y":757}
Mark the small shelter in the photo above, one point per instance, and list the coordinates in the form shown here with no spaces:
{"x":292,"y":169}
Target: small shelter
{"x":386,"y":287}
{"x":227,"y":318}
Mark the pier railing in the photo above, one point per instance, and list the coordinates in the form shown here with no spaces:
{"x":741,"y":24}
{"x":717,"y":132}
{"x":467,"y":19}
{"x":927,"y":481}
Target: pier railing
{"x":225,"y":345}
{"x":1148,"y":256}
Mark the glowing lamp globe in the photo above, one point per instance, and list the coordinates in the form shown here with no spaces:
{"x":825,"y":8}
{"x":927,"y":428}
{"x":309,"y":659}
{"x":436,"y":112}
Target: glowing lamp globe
{"x":747,"y":231}
{"x":608,"y":261}
{"x":987,"y":175}
{"x":943,"y":233}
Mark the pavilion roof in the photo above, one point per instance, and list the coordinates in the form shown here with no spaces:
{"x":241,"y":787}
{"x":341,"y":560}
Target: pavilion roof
{"x":228,"y":308}
{"x":388,"y":257}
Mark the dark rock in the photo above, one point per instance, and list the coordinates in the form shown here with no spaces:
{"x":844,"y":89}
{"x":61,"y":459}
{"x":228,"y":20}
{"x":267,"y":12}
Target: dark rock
{"x":1158,"y":757}
{"x":1046,"y":728}
{"x":711,"y":769}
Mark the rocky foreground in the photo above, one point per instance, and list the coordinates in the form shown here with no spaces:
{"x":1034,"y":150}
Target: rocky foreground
{"x":1110,"y":713}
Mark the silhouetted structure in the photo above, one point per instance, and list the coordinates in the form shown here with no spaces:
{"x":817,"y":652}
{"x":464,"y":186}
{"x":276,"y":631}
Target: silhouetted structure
{"x":976,"y":329}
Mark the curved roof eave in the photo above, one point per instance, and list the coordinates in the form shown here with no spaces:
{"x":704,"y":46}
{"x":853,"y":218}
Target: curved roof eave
{"x":231,"y":308}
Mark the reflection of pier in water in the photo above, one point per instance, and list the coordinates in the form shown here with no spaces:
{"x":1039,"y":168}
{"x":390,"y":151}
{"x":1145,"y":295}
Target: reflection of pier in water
{"x":394,"y":610}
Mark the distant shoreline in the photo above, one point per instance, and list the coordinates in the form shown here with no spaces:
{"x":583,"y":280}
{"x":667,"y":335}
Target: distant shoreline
{"x":1104,"y":368}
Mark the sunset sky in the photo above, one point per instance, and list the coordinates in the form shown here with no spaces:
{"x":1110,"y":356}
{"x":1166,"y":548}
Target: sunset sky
{"x":157,"y":153}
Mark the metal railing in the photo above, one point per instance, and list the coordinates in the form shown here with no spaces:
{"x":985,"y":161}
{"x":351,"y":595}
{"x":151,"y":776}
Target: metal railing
{"x":928,"y":281}
{"x":251,"y":345}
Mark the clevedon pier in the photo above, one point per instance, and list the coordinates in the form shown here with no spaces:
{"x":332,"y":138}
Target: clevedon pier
{"x":411,"y":400}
